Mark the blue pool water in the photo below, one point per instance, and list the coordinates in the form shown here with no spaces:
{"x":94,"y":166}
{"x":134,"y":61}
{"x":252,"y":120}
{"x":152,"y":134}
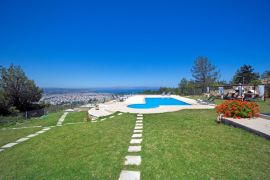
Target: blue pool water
{"x":156,"y":102}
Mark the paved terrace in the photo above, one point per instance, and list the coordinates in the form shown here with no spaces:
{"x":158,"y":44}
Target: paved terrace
{"x":112,"y":107}
{"x":257,"y":126}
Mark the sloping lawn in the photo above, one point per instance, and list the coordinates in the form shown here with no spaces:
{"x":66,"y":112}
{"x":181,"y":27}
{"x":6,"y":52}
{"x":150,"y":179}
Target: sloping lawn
{"x":190,"y":145}
{"x":264,"y":106}
{"x":75,"y":117}
{"x":49,"y":120}
{"x":187,"y":144}
{"x":81,"y":151}
{"x":8,"y":135}
{"x":11,"y":135}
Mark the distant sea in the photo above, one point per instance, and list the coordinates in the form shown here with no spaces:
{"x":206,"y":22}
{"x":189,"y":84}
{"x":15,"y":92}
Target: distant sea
{"x":49,"y":91}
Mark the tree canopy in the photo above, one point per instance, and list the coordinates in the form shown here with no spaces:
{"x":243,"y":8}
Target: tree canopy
{"x":266,"y":74}
{"x":16,"y":90}
{"x":204,"y":73}
{"x":245,"y":75}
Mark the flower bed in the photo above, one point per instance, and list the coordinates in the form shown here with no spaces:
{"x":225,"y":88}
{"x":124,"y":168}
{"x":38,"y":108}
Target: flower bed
{"x":238,"y":109}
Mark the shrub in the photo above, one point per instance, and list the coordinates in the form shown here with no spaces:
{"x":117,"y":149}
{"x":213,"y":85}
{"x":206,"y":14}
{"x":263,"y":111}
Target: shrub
{"x":238,"y":109}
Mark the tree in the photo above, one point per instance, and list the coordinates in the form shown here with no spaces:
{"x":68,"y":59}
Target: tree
{"x":4,"y":104}
{"x":245,"y":75}
{"x":266,"y":74}
{"x":17,"y":89}
{"x":204,"y":72}
{"x":188,"y":87}
{"x":183,"y":87}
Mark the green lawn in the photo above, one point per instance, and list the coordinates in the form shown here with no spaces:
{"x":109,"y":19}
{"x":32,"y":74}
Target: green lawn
{"x":49,"y":120}
{"x":75,"y":117}
{"x":11,"y":135}
{"x":81,"y":151}
{"x":188,"y":144}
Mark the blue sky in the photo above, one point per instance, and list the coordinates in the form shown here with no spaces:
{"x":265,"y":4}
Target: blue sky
{"x":83,"y":44}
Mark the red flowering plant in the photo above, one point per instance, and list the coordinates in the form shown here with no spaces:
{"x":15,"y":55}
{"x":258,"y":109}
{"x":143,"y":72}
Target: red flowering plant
{"x":238,"y":109}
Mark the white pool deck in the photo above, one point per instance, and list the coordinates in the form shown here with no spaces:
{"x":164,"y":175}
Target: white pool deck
{"x":112,"y":107}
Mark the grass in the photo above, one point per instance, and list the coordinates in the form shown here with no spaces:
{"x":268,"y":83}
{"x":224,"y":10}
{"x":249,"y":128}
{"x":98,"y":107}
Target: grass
{"x":11,"y":135}
{"x":190,"y":145}
{"x":81,"y":151}
{"x":75,"y":117}
{"x":49,"y":120}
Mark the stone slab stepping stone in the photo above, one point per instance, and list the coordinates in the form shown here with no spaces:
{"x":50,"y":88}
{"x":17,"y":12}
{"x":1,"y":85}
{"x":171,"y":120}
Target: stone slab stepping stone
{"x":46,"y":129}
{"x":40,"y":132}
{"x":136,"y":135}
{"x":1,"y":150}
{"x":139,"y":118}
{"x":22,"y":140}
{"x":136,"y":141}
{"x":138,"y":127}
{"x":134,"y":149}
{"x":139,"y":124}
{"x":130,"y":175}
{"x":138,"y":131}
{"x":9,"y":145}
{"x":111,"y":117}
{"x":140,"y":115}
{"x":133,"y":160}
{"x":103,"y":119}
{"x":139,"y":121}
{"x":32,"y":135}
{"x":120,"y":114}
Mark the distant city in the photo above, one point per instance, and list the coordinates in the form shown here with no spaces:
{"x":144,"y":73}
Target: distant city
{"x":60,"y":96}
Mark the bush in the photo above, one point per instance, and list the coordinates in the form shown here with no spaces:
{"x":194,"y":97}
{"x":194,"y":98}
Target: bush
{"x":238,"y":109}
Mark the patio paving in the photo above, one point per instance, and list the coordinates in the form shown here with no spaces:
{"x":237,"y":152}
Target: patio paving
{"x":258,"y":126}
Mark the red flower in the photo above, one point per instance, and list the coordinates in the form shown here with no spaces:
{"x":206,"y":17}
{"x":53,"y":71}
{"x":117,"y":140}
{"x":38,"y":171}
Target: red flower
{"x":238,"y":109}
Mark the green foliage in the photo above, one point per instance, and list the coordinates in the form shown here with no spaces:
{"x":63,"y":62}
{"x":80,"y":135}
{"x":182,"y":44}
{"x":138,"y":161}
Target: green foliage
{"x":4,"y":103}
{"x":17,"y":92}
{"x":162,"y":90}
{"x":188,"y":87}
{"x":204,"y":72}
{"x":266,"y":74}
{"x":245,"y":75}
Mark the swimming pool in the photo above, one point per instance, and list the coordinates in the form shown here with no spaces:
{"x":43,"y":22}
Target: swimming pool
{"x":156,"y":102}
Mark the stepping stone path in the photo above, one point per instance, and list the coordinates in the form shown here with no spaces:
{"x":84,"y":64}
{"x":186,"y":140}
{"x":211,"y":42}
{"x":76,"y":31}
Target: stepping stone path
{"x":45,"y":129}
{"x":128,"y":175}
{"x":95,"y":120}
{"x":9,"y":145}
{"x":62,"y":119}
{"x":103,"y":119}
{"x":22,"y":140}
{"x":135,"y":147}
{"x":133,"y":160}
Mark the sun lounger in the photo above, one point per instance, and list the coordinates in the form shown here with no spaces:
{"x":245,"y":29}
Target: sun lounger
{"x":210,"y":100}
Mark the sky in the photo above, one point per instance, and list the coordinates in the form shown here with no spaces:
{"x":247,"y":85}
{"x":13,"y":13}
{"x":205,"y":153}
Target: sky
{"x":88,"y":44}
